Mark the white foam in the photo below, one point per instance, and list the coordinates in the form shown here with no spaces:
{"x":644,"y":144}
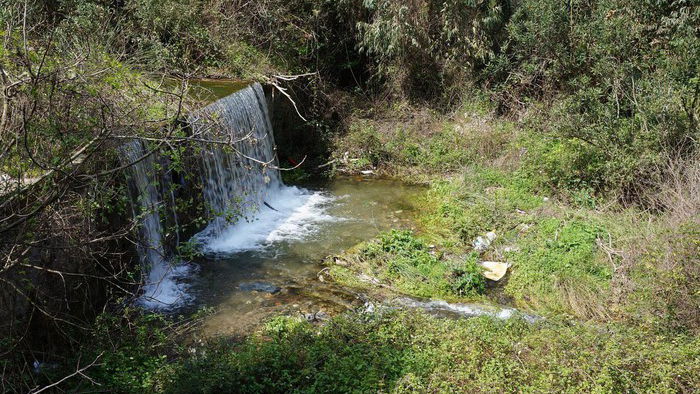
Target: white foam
{"x":467,"y":310}
{"x":163,"y":288}
{"x":298,"y":213}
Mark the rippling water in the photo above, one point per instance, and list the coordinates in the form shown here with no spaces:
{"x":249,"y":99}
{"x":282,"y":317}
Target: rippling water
{"x":281,"y":251}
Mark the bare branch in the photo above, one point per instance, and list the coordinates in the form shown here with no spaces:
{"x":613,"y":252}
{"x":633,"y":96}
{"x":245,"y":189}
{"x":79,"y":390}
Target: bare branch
{"x":79,"y":371}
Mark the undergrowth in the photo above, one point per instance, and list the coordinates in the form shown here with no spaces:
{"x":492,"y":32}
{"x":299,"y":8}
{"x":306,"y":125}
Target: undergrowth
{"x":572,"y":251}
{"x":409,"y":351}
{"x":405,"y":263}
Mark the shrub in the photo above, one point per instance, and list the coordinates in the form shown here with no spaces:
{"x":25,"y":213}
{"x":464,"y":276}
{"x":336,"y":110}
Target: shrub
{"x":421,"y":47}
{"x":601,"y":65}
{"x":363,"y":144}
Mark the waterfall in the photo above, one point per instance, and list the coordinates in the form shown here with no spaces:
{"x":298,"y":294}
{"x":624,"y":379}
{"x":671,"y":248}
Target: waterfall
{"x":247,"y":203}
{"x":239,"y":178}
{"x":160,"y":289}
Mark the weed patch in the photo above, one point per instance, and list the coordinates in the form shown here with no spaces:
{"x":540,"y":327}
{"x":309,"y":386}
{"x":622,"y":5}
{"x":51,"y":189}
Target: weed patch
{"x":408,"y":264}
{"x":398,"y":352}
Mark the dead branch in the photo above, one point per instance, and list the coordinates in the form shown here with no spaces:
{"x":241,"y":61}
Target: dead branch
{"x":79,"y":371}
{"x":274,"y":81}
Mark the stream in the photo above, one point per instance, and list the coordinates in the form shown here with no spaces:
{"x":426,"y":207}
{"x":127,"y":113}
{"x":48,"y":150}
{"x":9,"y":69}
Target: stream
{"x":269,"y":265}
{"x":265,"y":244}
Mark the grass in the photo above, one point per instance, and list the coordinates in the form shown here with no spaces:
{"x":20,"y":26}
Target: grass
{"x":617,"y":285}
{"x":405,"y":263}
{"x":573,"y":253}
{"x":558,"y":268}
{"x":410,"y":351}
{"x":417,"y":145}
{"x":557,"y":265}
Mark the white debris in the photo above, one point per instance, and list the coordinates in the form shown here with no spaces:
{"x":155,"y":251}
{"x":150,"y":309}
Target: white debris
{"x":368,"y":279}
{"x":482,"y":243}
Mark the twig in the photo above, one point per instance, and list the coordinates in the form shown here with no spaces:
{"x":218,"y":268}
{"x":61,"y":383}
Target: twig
{"x":77,"y":372}
{"x":273,"y":82}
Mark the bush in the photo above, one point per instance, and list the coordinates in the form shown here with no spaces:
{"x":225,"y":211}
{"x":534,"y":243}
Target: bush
{"x":363,"y":145}
{"x":423,"y":47}
{"x":601,"y":66}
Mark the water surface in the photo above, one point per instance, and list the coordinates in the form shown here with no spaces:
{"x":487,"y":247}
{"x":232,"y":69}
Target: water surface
{"x":271,"y":265}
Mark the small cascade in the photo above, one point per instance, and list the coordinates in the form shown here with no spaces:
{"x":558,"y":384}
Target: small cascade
{"x":249,"y":207}
{"x":240,"y":177}
{"x":161,"y":289}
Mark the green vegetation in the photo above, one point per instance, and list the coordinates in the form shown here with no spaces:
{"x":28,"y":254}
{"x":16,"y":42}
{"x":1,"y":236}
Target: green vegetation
{"x":398,"y":352}
{"x":405,"y":263}
{"x":573,"y":255}
{"x":568,"y":256}
{"x":568,"y":129}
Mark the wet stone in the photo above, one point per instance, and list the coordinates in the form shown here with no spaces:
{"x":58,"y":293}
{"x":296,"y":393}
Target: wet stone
{"x":260,"y":287}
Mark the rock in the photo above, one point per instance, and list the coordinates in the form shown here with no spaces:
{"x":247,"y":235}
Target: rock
{"x":340,"y":262}
{"x":260,"y":286}
{"x":523,"y":227}
{"x":481,"y":244}
{"x":368,"y":279}
{"x":316,"y":317}
{"x":494,"y":270}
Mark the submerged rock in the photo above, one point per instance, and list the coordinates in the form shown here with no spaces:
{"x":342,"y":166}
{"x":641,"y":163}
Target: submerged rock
{"x":260,"y":286}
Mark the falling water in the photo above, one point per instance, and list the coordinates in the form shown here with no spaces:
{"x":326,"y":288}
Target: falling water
{"x":248,"y":204}
{"x":160,"y":289}
{"x":239,"y":173}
